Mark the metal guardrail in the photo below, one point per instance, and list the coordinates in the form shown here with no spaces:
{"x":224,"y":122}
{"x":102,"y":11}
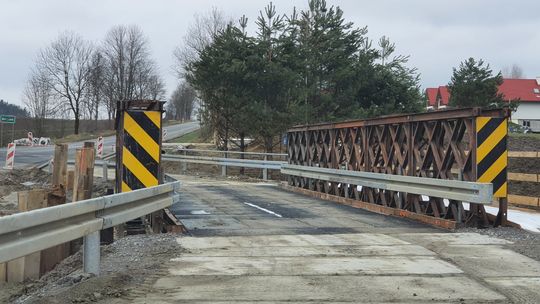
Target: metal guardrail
{"x":27,"y":232}
{"x":232,"y":152}
{"x":472,"y":192}
{"x":232,"y":162}
{"x":226,"y":162}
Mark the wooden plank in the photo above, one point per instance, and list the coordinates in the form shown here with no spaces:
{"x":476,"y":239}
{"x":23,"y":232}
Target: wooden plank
{"x":84,"y":174}
{"x":60,"y":165}
{"x":50,"y":257}
{"x":524,"y":177}
{"x":70,"y":177}
{"x":524,"y":154}
{"x":524,"y":200}
{"x":27,"y":267}
{"x":33,"y":199}
{"x":3,"y":273}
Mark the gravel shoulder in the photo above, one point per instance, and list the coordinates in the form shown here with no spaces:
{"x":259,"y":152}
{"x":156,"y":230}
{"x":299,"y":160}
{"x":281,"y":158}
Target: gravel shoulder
{"x":126,"y":267}
{"x":524,"y":242}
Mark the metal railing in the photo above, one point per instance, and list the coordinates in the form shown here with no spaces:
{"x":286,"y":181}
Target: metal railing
{"x":232,"y":152}
{"x":481,"y":193}
{"x":27,"y":232}
{"x":472,"y":192}
{"x":226,"y":161}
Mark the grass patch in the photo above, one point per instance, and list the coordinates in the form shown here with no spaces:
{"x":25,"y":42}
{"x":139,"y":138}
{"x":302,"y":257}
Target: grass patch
{"x":535,"y":136}
{"x":171,"y":122}
{"x":192,"y":137}
{"x":83,"y":136}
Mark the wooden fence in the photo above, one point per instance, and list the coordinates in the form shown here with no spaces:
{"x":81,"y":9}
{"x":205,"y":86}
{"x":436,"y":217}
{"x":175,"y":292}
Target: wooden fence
{"x":521,"y":200}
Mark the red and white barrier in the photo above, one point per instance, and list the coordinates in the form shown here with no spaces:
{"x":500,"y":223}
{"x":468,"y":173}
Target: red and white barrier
{"x":31,"y":138}
{"x":10,"y":156}
{"x":100,"y":147}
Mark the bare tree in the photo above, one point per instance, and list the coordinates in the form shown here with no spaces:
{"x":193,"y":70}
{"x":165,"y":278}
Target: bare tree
{"x":38,"y":98}
{"x":95,"y":89}
{"x":200,"y":34}
{"x":515,"y":72}
{"x":66,"y":63}
{"x":130,"y":73}
{"x":182,"y":102}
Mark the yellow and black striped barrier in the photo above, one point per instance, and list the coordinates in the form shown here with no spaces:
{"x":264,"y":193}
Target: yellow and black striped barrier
{"x":492,"y":153}
{"x":141,"y":152}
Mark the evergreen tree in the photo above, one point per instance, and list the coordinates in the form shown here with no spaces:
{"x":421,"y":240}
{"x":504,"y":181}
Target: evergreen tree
{"x":219,"y":77}
{"x":7,"y":108}
{"x":329,"y":48}
{"x":473,"y":85}
{"x":273,"y":77}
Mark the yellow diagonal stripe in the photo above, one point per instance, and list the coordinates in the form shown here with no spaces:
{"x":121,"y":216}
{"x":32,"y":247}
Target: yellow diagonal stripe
{"x":495,"y":169}
{"x":502,"y":190}
{"x":481,"y":122}
{"x":140,"y":171}
{"x":125,"y":187}
{"x":155,"y":117}
{"x":138,"y":133}
{"x":493,"y":139}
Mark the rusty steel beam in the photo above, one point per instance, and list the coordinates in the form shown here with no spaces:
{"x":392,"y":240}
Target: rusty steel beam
{"x":437,"y":222}
{"x":403,"y":118}
{"x":440,"y":144}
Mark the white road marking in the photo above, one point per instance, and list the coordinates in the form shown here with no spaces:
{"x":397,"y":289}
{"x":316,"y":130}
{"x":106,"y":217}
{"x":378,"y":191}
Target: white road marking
{"x":263,"y":209}
{"x":199,"y":212}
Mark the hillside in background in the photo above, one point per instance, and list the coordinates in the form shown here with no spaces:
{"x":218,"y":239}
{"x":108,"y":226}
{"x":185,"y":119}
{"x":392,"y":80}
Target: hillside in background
{"x":11,"y":109}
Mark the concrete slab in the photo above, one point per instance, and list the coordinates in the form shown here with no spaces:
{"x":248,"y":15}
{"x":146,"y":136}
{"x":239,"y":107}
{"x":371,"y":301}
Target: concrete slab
{"x":307,"y":266}
{"x":334,"y":222}
{"x":290,"y":240}
{"x":519,"y":290}
{"x":265,"y":223}
{"x":451,"y":239}
{"x":324,"y":252}
{"x":372,"y":250}
{"x":491,"y":261}
{"x":213,"y":222}
{"x":321,"y":288}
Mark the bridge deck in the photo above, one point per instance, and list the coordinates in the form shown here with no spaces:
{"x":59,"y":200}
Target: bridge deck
{"x":258,"y":243}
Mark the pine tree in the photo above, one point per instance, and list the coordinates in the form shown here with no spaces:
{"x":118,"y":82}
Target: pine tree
{"x":473,"y":85}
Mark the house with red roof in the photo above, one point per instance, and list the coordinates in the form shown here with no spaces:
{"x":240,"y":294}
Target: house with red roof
{"x":527,"y":91}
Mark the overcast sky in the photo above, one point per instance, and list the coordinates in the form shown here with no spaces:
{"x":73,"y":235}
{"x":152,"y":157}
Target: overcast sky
{"x":436,"y":34}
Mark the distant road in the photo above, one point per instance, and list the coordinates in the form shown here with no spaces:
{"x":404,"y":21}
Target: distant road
{"x":32,"y":156}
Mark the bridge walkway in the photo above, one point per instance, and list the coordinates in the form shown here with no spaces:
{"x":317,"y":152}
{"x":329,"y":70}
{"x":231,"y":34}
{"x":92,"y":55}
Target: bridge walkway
{"x":254,"y":242}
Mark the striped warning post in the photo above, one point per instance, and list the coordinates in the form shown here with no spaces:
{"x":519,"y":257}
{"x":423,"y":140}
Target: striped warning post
{"x":141,"y":152}
{"x":10,"y":156}
{"x":100,"y":147}
{"x":492,"y":153}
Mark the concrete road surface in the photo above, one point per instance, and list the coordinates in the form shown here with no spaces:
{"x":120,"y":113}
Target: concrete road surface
{"x":31,"y":156}
{"x":257,"y":243}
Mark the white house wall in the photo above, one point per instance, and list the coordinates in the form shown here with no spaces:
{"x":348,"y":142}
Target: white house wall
{"x":527,"y":111}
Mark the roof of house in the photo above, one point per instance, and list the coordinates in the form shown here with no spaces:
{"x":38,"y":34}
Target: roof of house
{"x":527,"y":90}
{"x":444,"y":94}
{"x":523,"y":89}
{"x":431,"y":94}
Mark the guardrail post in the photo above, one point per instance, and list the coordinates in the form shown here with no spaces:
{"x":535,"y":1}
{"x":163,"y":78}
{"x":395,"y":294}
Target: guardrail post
{"x":265,"y":170}
{"x":184,"y":164}
{"x":105,"y":170}
{"x":224,"y":167}
{"x":91,"y":254}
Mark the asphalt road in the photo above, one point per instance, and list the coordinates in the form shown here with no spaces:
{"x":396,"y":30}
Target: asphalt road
{"x":255,"y":242}
{"x":32,"y":156}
